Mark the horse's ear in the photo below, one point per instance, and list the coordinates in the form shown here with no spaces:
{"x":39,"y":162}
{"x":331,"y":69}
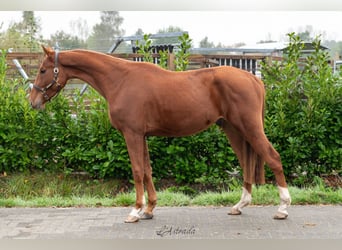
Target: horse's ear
{"x":48,"y":51}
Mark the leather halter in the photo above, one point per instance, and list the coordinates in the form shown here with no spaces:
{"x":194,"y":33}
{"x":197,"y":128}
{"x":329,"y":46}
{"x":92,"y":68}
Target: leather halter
{"x":52,"y":83}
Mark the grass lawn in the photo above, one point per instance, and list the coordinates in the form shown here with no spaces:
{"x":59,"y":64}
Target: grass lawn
{"x":46,"y":190}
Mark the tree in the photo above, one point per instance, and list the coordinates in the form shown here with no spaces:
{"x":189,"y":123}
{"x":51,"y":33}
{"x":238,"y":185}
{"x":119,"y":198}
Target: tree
{"x":170,"y":29}
{"x":104,"y":33}
{"x":306,"y":35}
{"x":168,"y":40}
{"x":80,"y":28}
{"x":11,"y":39}
{"x":204,"y":43}
{"x":76,"y":40}
{"x":335,"y":49}
{"x":24,"y":35}
{"x":266,"y":41}
{"x":139,"y":32}
{"x":66,"y":41}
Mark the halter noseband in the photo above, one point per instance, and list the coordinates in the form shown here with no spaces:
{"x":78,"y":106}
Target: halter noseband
{"x":53,"y":82}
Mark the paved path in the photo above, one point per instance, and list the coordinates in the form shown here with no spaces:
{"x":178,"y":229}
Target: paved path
{"x":304,"y":222}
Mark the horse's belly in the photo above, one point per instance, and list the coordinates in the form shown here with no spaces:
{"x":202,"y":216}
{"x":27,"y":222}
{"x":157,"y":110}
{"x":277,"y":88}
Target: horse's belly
{"x":181,"y":125}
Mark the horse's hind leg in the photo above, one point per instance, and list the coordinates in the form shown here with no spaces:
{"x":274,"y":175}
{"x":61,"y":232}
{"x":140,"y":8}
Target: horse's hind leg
{"x":245,"y":200}
{"x":249,"y":127}
{"x":236,"y":141}
{"x":272,"y":158}
{"x":255,"y":135}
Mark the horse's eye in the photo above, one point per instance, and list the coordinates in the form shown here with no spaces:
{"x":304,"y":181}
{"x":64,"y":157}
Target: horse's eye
{"x":42,"y":71}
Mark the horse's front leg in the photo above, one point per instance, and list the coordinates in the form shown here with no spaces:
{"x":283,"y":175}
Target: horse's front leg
{"x":135,"y":146}
{"x":151,"y":192}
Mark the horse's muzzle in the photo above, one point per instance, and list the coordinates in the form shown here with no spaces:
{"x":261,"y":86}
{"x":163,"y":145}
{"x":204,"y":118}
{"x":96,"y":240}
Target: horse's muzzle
{"x":37,"y":104}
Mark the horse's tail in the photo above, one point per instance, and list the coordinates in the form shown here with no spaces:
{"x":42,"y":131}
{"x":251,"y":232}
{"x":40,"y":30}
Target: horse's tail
{"x":253,"y":164}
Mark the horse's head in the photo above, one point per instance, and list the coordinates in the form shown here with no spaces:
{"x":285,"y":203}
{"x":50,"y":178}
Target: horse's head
{"x":49,"y":80}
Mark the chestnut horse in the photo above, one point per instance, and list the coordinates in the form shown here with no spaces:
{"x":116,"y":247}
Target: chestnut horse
{"x":145,"y":100}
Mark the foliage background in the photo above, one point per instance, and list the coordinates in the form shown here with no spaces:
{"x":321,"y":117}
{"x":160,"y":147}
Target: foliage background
{"x":304,"y":112}
{"x":303,"y":121}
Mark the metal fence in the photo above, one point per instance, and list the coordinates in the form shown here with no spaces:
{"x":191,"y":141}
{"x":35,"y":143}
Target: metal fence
{"x":30,"y":62}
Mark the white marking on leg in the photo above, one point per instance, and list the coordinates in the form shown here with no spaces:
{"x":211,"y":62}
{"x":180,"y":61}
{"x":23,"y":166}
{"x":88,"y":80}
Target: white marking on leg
{"x":285,"y":200}
{"x":144,"y":200}
{"x":137,"y":212}
{"x":246,"y":199}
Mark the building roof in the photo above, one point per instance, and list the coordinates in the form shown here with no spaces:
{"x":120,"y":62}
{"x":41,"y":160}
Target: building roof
{"x":160,"y":39}
{"x":258,"y":48}
{"x":279,"y":46}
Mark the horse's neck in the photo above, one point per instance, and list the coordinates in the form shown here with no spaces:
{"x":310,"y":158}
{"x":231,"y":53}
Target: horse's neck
{"x":93,"y":68}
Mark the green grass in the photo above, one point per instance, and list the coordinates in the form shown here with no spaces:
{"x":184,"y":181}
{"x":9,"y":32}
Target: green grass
{"x":50,"y":190}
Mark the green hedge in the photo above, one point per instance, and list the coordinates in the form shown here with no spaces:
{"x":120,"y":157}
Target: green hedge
{"x":303,"y":121}
{"x":304,"y":112}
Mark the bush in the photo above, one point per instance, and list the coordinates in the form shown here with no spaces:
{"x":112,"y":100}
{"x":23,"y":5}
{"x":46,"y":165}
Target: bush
{"x":303,"y":121}
{"x":28,"y":139}
{"x":304,"y":112}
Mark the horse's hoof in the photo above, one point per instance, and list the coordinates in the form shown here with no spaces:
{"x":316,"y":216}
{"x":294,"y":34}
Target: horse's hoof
{"x":280,"y":216}
{"x":234,"y":211}
{"x":132,"y":219}
{"x":146,"y":216}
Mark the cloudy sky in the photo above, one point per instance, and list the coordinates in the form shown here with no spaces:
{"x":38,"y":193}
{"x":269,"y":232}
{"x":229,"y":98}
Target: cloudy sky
{"x":226,"y":27}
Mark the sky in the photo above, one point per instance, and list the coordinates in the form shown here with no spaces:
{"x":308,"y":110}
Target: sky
{"x":225,"y":27}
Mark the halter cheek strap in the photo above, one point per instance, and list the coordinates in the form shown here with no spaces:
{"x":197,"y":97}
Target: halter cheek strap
{"x":53,"y":82}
